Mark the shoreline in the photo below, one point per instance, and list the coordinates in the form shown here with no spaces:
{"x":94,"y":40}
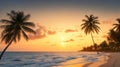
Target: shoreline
{"x":102,"y":62}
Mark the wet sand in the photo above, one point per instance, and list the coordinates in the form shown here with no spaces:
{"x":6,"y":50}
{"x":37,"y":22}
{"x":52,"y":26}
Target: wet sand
{"x":111,"y":60}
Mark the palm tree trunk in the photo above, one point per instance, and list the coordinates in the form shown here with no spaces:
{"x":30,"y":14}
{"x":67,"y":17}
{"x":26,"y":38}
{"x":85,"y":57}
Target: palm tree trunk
{"x":92,"y":39}
{"x":5,"y":49}
{"x":95,"y":46}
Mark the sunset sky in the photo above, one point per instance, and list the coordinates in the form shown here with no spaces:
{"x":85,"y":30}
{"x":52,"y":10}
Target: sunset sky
{"x":58,"y":22}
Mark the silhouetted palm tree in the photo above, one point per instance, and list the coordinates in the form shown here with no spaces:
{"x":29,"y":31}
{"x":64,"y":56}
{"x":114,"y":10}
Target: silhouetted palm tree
{"x":114,"y":40}
{"x":117,"y":25}
{"x":90,"y":25}
{"x":15,"y":27}
{"x":112,"y":36}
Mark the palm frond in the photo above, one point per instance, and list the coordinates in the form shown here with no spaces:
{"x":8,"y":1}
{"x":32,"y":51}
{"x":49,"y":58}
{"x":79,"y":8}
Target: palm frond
{"x":12,"y":15}
{"x":5,"y":26}
{"x":29,"y":24}
{"x":6,"y":21}
{"x":95,"y":17}
{"x":25,"y":18}
{"x":27,"y":29}
{"x":117,"y":26}
{"x":25,"y":35}
{"x":7,"y":37}
{"x":118,"y":19}
{"x":19,"y":35}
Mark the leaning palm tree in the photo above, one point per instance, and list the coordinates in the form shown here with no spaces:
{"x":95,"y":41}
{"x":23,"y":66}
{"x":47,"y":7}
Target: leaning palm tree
{"x":15,"y":27}
{"x":90,"y":26}
{"x":117,"y":26}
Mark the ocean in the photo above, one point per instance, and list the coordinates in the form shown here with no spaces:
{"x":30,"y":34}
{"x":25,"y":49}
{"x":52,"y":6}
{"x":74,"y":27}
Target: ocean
{"x":46,"y":59}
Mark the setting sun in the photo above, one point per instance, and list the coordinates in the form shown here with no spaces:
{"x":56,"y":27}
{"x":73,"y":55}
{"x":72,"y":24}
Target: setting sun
{"x":63,"y":41}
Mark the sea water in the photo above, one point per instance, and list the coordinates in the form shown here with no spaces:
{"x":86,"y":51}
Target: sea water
{"x":46,"y":59}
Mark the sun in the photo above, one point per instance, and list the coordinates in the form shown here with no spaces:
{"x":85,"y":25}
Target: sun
{"x":62,"y":38}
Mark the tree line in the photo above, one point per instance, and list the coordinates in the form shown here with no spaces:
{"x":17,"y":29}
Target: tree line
{"x":112,"y":42}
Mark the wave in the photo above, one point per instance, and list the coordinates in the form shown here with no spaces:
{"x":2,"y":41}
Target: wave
{"x":45,"y":59}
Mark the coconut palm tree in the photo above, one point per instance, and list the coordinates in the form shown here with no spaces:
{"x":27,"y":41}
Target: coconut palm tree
{"x":90,"y":26}
{"x":117,"y":26}
{"x":112,"y":36}
{"x":15,"y":27}
{"x":114,"y":39}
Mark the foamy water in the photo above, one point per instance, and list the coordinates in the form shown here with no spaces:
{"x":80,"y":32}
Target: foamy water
{"x":45,"y":59}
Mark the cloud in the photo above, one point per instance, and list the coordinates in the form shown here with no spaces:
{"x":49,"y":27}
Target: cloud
{"x":50,"y":32}
{"x":41,"y":32}
{"x":70,"y":30}
{"x":107,"y":22}
{"x":70,"y":40}
{"x":32,"y":37}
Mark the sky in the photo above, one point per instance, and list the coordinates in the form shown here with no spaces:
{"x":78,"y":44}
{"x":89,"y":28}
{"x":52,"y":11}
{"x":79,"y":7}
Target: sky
{"x":58,"y":22}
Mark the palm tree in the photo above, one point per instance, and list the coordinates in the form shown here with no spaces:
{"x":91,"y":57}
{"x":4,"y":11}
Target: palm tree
{"x":90,"y":26}
{"x":114,"y":40}
{"x":112,"y":36}
{"x":117,"y":26}
{"x":15,"y":27}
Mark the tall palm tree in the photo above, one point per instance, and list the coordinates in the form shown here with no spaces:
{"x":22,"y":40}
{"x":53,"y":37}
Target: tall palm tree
{"x":15,"y":27}
{"x":117,"y":26}
{"x":90,"y":26}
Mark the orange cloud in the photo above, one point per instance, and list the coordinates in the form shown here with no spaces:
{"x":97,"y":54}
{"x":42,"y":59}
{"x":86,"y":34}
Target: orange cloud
{"x":107,"y":22}
{"x":41,"y":32}
{"x":70,"y":40}
{"x":50,"y":32}
{"x":70,"y":30}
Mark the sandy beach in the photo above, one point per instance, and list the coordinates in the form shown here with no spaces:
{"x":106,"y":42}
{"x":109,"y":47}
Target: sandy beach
{"x":109,"y":60}
{"x":113,"y":61}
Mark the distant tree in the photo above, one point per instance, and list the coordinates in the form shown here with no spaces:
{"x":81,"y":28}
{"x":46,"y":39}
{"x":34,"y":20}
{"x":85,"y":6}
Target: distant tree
{"x":15,"y":27}
{"x":90,"y":26}
{"x":103,"y":46}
